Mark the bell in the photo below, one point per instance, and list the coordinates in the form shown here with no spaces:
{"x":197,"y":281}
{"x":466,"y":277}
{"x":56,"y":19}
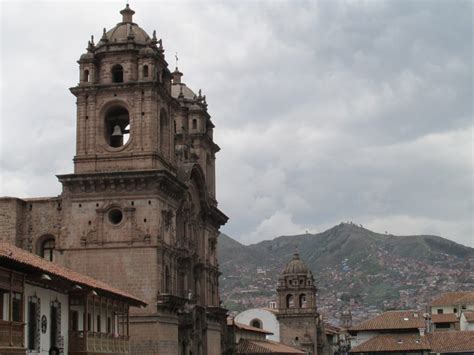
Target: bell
{"x":117,"y":131}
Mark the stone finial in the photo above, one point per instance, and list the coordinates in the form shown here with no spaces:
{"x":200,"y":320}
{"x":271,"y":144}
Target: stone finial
{"x":91,"y":45}
{"x":160,"y":47}
{"x":153,"y":38}
{"x":104,"y":35}
{"x":127,"y":14}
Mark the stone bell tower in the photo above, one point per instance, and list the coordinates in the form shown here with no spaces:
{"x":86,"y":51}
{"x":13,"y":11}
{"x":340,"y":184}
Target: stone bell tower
{"x":140,"y":209}
{"x":124,"y":103}
{"x":297,"y":312}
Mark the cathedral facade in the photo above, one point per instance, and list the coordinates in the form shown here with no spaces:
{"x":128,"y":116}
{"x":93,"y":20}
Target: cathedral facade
{"x":140,"y":211}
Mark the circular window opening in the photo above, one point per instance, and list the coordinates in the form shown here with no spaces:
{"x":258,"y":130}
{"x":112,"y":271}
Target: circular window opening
{"x":117,"y":125}
{"x":115,"y":216}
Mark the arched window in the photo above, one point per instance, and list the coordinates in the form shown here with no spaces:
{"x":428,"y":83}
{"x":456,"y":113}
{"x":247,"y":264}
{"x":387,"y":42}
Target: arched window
{"x":256,"y":323}
{"x":117,"y":125}
{"x":167,"y":280}
{"x":303,"y":303}
{"x":290,"y":302}
{"x":145,"y":71}
{"x":86,"y":76}
{"x":117,"y":74}
{"x":47,"y":249}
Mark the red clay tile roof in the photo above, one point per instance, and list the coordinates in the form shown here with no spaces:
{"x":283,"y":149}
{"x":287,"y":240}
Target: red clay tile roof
{"x":331,"y":329}
{"x":444,"y":318}
{"x":393,"y":320}
{"x":33,"y":262}
{"x":452,"y":341}
{"x":469,"y":315}
{"x":242,"y":326}
{"x":246,"y":346}
{"x":393,"y":342}
{"x":454,"y":299}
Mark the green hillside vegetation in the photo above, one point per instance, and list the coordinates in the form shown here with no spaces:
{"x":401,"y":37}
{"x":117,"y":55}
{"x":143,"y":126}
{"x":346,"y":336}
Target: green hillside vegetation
{"x":366,"y":266}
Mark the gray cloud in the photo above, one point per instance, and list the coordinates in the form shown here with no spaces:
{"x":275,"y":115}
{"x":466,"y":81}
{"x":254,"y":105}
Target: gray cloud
{"x":325,"y":111}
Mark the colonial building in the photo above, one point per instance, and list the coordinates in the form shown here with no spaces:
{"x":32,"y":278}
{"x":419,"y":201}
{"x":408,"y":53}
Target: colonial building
{"x":448,"y":308}
{"x":48,"y":309}
{"x":140,"y":209}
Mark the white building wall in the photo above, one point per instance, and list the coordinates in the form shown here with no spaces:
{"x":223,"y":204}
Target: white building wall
{"x":268,"y":319}
{"x":47,"y":296}
{"x":464,"y":324}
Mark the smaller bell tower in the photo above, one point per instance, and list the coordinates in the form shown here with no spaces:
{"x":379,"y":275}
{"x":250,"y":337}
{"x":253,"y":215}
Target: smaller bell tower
{"x":297,"y":312}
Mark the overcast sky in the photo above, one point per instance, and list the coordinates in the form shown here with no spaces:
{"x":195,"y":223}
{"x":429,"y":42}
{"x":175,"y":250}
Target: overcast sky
{"x":326,"y":111}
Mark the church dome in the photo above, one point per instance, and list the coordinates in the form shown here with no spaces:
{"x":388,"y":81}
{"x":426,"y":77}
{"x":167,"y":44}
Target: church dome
{"x":296,"y":266}
{"x":125,"y":31}
{"x":178,"y":88}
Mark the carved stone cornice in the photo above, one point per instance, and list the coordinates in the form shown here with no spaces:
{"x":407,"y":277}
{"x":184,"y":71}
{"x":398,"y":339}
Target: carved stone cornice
{"x":146,"y":181}
{"x":217,"y":314}
{"x":170,"y":302}
{"x":216,"y":217}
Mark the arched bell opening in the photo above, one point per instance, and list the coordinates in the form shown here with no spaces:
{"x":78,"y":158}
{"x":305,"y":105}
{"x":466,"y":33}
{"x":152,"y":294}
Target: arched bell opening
{"x":290,"y":301}
{"x":117,"y":127}
{"x":303,"y":301}
{"x":117,"y":74}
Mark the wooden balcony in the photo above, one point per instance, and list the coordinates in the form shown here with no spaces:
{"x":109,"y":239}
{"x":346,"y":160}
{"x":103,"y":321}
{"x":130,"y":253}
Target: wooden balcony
{"x":11,"y":335}
{"x":81,"y":342}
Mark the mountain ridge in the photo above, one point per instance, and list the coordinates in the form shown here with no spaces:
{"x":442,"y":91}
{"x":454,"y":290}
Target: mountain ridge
{"x":371,"y":269}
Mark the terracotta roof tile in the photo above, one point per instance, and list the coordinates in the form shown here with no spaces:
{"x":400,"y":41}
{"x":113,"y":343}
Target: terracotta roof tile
{"x":452,"y":341}
{"x":242,"y":326}
{"x":439,"y":342}
{"x":454,"y":299}
{"x":444,"y":318}
{"x":469,"y":315}
{"x":331,"y":329}
{"x":246,"y":346}
{"x":393,"y":342}
{"x":34,"y":262}
{"x":393,"y":320}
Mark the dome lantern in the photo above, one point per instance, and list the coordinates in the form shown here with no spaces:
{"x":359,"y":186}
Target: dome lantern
{"x":127,"y":14}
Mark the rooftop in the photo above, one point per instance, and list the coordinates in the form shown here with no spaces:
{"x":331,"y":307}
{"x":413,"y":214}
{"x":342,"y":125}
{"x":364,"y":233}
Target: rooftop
{"x":246,"y":346}
{"x":393,"y":342}
{"x":249,"y":328}
{"x":439,"y":342}
{"x":393,"y":320}
{"x":444,"y":318}
{"x":469,"y":315}
{"x":454,"y":299}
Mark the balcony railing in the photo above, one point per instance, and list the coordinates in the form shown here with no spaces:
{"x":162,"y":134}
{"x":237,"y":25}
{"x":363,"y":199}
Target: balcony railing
{"x":98,"y":342}
{"x":11,"y":334}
